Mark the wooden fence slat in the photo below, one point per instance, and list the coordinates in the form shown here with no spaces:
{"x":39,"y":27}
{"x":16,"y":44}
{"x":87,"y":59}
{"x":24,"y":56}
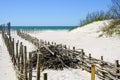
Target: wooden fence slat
{"x":104,"y":69}
{"x":45,"y":76}
{"x":117,"y":71}
{"x":82,"y":52}
{"x":25,"y":63}
{"x":30,"y":66}
{"x":13,"y":53}
{"x":90,"y":58}
{"x":21,"y":59}
{"x":102,"y":65}
{"x":16,"y":53}
{"x":38,"y":66}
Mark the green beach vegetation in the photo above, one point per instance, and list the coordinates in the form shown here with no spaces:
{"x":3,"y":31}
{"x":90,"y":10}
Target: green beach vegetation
{"x":94,"y":16}
{"x":113,"y":29}
{"x":112,"y":13}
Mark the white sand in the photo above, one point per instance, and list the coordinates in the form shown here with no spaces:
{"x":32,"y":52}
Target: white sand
{"x":67,"y":74}
{"x":82,"y":38}
{"x":6,"y":69}
{"x":86,"y":38}
{"x":30,"y":47}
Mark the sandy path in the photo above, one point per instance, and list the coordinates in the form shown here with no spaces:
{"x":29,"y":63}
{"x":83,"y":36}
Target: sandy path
{"x":6,"y":69}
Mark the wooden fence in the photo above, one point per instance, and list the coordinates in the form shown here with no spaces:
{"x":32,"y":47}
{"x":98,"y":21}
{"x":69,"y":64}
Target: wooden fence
{"x":104,"y":70}
{"x":22,"y":64}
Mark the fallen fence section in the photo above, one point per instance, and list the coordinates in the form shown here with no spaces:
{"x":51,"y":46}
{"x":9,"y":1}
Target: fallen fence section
{"x":55,"y":56}
{"x":104,"y":70}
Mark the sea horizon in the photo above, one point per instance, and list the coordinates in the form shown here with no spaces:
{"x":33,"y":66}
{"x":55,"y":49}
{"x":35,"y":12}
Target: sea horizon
{"x":42,"y":27}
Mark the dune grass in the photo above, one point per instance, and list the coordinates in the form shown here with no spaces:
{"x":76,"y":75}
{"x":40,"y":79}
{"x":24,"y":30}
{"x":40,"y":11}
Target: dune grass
{"x":113,"y":29}
{"x":92,"y":17}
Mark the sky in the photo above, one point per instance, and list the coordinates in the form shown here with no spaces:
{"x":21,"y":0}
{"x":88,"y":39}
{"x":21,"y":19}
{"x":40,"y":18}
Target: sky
{"x":48,"y":12}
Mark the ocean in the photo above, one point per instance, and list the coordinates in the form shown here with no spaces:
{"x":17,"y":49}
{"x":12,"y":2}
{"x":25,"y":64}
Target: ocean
{"x":42,"y":27}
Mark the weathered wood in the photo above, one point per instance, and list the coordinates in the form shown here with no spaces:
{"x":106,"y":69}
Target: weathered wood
{"x":17,"y":53}
{"x":117,"y":71}
{"x":21,"y":59}
{"x":65,"y":47}
{"x":85,"y":61}
{"x":52,"y":43}
{"x":82,"y":52}
{"x":10,"y":46}
{"x":30,"y":66}
{"x":13,"y":53}
{"x":45,"y":42}
{"x":55,"y":44}
{"x":90,"y":58}
{"x":38,"y":66}
{"x":25,"y":63}
{"x":102,"y":59}
{"x":19,"y":56}
{"x":102,"y":65}
{"x":8,"y":32}
{"x":73,"y":48}
{"x":48,"y":43}
{"x":45,"y":76}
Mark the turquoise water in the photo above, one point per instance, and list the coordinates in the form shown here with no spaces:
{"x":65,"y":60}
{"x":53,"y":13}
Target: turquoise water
{"x":42,"y":27}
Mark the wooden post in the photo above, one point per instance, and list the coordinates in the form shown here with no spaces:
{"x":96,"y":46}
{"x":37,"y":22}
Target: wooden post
{"x":13,"y":53}
{"x":102,"y":65}
{"x":17,"y":53}
{"x":38,"y":66}
{"x":38,"y":45}
{"x":73,"y":48}
{"x":90,"y":58}
{"x":52,"y":43}
{"x":25,"y":62}
{"x":73,"y":55}
{"x":48,"y":43}
{"x":55,"y":44}
{"x":21,"y":58}
{"x":45,"y":76}
{"x":102,"y":58}
{"x":92,"y":72}
{"x":82,"y":51}
{"x":8,"y":31}
{"x":10,"y":48}
{"x":117,"y":70}
{"x":45,"y":42}
{"x":65,"y":47}
{"x":30,"y":66}
{"x":68,"y":51}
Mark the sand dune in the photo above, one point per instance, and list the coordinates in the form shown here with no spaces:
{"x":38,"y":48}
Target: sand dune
{"x":86,"y":38}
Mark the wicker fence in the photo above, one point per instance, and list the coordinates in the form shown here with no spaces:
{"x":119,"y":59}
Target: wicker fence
{"x":104,"y":70}
{"x":23,"y":64}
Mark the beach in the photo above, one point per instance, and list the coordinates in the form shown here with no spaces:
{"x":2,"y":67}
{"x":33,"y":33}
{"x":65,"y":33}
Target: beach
{"x":86,"y":38}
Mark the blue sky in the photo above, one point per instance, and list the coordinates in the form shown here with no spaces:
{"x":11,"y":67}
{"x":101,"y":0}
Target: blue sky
{"x":48,"y":12}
